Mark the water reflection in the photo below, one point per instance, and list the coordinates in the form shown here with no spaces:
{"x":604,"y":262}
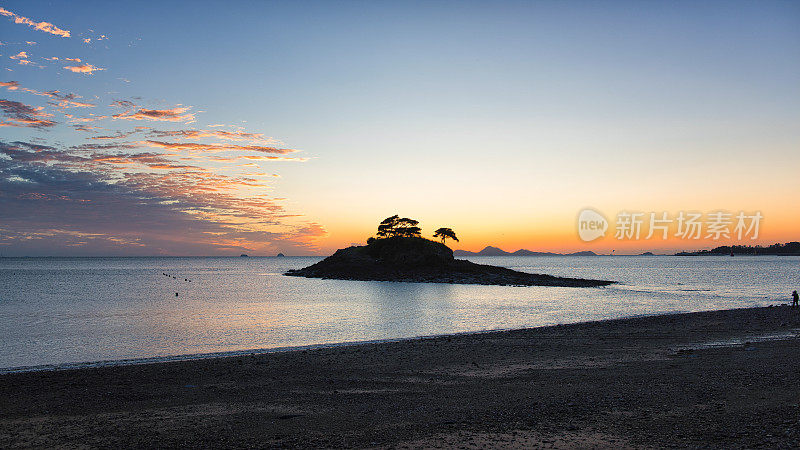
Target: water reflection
{"x":56,"y":310}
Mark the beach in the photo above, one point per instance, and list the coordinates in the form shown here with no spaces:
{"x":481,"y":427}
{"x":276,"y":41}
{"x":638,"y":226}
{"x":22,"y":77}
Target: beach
{"x":719,"y":379}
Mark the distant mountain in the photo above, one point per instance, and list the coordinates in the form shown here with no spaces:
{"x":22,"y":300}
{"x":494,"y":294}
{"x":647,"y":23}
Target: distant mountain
{"x":583,"y":253}
{"x":790,"y":248}
{"x":494,"y":251}
{"x":523,"y":252}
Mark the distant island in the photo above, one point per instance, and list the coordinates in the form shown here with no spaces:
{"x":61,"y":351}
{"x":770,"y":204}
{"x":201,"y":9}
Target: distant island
{"x":494,"y":251}
{"x":788,"y":249}
{"x":400,"y":253}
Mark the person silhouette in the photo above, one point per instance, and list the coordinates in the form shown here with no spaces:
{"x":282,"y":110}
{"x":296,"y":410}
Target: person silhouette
{"x":795,"y":298}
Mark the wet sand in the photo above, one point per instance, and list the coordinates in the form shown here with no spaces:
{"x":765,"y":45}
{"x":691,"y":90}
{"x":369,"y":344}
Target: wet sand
{"x":636,"y":383}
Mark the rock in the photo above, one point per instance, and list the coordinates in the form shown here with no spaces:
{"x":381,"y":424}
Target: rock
{"x":423,"y":261}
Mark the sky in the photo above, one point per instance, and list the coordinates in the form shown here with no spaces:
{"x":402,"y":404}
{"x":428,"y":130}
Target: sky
{"x":220,"y":128}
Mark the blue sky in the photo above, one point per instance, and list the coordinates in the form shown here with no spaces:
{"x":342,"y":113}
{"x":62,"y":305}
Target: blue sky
{"x":500,"y":119}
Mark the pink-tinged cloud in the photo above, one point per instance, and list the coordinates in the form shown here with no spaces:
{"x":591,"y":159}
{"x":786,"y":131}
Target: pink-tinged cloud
{"x":47,"y":27}
{"x":86,"y":128}
{"x":117,"y":135}
{"x":21,"y":58}
{"x":61,"y":101}
{"x":197,"y":147}
{"x":272,"y":158}
{"x":178,"y":114}
{"x":136,"y":200}
{"x":22,"y":115}
{"x":126,"y":104}
{"x":93,"y":118}
{"x":218,"y":134}
{"x":84,"y":68}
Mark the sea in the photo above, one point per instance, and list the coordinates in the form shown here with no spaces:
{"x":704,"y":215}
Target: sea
{"x":60,"y":313}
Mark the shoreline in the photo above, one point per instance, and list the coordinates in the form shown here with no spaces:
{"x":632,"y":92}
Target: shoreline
{"x":81,"y":365}
{"x":625,"y":383}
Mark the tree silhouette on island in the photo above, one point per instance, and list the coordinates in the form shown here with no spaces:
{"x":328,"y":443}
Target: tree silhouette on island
{"x":400,"y":253}
{"x":397,"y":226}
{"x":445,"y":233}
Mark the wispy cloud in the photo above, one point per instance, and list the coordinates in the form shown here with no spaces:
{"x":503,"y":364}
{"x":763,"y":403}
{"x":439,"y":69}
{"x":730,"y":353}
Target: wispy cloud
{"x":84,"y":68}
{"x":177,"y":114}
{"x":127,"y":202}
{"x":47,"y":27}
{"x":86,"y":128}
{"x":218,"y":134}
{"x":22,"y":115}
{"x":116,"y":135}
{"x":197,"y":147}
{"x":91,"y":118}
{"x":60,"y":100}
{"x":110,"y":185}
{"x":272,"y":158}
{"x":21,"y":58}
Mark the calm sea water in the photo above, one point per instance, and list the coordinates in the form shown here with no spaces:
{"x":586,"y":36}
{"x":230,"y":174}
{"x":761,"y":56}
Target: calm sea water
{"x":69,"y":310}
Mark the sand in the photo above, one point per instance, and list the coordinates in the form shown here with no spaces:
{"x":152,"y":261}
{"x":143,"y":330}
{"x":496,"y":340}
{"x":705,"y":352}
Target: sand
{"x":687,"y":380}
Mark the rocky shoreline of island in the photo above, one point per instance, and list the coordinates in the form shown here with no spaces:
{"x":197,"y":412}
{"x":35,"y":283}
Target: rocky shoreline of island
{"x":419,"y":260}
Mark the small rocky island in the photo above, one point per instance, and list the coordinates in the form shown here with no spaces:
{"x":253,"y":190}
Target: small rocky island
{"x":406,"y":256}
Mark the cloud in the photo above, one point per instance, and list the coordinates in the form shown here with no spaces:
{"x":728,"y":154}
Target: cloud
{"x":101,"y":38}
{"x":136,"y":189}
{"x":84,"y":68}
{"x":86,"y":128}
{"x":117,"y":135}
{"x":110,"y":146}
{"x":64,"y":101}
{"x":272,"y":158}
{"x":62,"y":201}
{"x":192,"y":146}
{"x":21,"y":58}
{"x":22,"y":115}
{"x":47,"y":27}
{"x":61,"y":101}
{"x":177,"y":114}
{"x":127,"y":104}
{"x":219,"y":134}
